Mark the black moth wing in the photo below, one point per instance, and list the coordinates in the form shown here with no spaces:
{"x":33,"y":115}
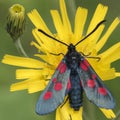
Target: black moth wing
{"x":55,"y":91}
{"x":93,"y":86}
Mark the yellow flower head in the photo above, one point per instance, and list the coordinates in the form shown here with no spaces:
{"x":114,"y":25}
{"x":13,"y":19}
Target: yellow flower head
{"x":37,"y":73}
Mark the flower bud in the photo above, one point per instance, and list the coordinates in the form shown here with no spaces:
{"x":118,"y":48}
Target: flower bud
{"x":16,"y":21}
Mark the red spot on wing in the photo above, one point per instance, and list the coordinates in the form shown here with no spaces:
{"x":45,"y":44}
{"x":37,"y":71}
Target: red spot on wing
{"x":54,"y":80}
{"x":58,"y":86}
{"x":59,"y":66}
{"x":83,"y":66}
{"x":47,"y":95}
{"x":102,"y":91}
{"x":91,"y":83}
{"x":86,"y":62}
{"x":68,"y":84}
{"x":62,"y":67}
{"x":94,"y":76}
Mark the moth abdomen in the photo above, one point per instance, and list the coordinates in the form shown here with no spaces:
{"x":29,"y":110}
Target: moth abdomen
{"x":75,"y":99}
{"x":75,"y":94}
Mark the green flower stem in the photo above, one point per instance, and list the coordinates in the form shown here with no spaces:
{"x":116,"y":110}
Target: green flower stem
{"x":20,"y":47}
{"x":117,"y":116}
{"x":92,"y":112}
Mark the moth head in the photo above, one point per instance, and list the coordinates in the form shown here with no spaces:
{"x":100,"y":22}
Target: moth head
{"x":71,"y":47}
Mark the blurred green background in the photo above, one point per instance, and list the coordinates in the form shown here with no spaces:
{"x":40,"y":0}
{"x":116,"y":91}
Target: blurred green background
{"x":20,"y":105}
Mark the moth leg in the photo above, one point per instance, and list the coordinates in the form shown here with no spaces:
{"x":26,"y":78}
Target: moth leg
{"x":57,"y":54}
{"x":84,"y":54}
{"x":88,"y":56}
{"x":70,"y":117}
{"x":98,"y":58}
{"x":64,"y":102}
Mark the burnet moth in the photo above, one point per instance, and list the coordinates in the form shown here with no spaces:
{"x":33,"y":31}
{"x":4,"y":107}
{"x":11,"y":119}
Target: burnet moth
{"x":73,"y":76}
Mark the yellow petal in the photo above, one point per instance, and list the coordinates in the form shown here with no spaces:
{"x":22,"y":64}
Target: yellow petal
{"x":80,"y":17}
{"x":43,"y":57}
{"x":108,"y":113}
{"x":39,"y":23}
{"x":98,"y":16}
{"x":36,"y":45}
{"x":33,"y":85}
{"x":22,"y":62}
{"x":103,"y":70}
{"x":112,"y":54}
{"x":117,"y":74}
{"x":65,"y":112}
{"x":58,"y":24}
{"x":66,"y":30}
{"x":77,"y":115}
{"x":62,"y":116}
{"x":39,"y":41}
{"x":28,"y":73}
{"x":19,"y":86}
{"x":36,"y":85}
{"x":107,"y":74}
{"x":92,"y":40}
{"x":47,"y":43}
{"x":103,"y":40}
{"x":66,"y":22}
{"x":51,"y":59}
{"x":37,"y":20}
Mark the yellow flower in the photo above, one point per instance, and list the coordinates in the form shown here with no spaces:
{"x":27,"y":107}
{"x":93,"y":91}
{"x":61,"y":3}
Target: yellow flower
{"x":36,"y":73}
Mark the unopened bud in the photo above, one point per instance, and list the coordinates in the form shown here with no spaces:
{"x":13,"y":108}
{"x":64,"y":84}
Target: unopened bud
{"x":16,"y":21}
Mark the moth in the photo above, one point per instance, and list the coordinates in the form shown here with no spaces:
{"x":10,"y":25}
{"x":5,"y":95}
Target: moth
{"x":73,"y":76}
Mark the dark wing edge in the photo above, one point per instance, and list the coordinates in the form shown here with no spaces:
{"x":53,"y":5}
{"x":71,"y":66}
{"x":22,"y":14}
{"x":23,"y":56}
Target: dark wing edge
{"x":94,"y":88}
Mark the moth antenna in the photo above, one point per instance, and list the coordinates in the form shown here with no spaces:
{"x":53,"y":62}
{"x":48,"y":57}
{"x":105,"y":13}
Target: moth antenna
{"x":97,"y":26}
{"x":43,"y":32}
